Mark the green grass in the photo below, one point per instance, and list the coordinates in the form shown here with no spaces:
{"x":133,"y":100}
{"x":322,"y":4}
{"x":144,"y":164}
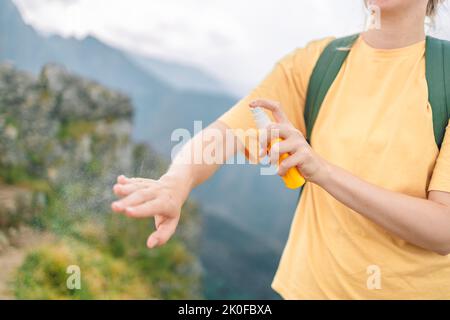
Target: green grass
{"x":14,"y":174}
{"x":10,"y":120}
{"x":44,"y":275}
{"x":76,"y":130}
{"x":105,"y":246}
{"x":19,"y":176}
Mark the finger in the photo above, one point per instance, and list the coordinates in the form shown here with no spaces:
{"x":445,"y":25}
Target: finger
{"x":283,"y":131}
{"x":159,"y":220}
{"x":125,"y":180}
{"x":164,"y":232}
{"x":122,"y":190}
{"x":136,"y":198}
{"x":140,"y":180}
{"x":280,"y":148}
{"x":272,"y":106}
{"x":122,"y":179}
{"x":290,"y":162}
{"x":278,"y":131}
{"x":147,"y":209}
{"x":263,"y":144}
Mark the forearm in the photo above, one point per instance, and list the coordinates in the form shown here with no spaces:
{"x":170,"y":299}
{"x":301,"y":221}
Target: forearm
{"x":192,"y":166}
{"x":422,"y":222}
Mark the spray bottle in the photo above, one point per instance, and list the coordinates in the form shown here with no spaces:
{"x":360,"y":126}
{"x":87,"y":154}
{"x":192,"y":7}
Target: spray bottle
{"x":293,"y":179}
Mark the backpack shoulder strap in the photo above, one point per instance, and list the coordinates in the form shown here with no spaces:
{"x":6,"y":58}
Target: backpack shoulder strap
{"x":325,"y":72}
{"x":438,"y":78}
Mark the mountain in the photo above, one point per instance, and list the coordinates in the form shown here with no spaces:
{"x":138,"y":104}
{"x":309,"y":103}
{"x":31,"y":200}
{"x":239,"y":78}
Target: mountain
{"x":95,"y":60}
{"x":238,"y":195}
{"x":222,"y":243}
{"x":182,"y":77}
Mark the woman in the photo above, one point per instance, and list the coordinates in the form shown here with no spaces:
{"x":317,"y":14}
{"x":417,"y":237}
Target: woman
{"x":373,"y":221}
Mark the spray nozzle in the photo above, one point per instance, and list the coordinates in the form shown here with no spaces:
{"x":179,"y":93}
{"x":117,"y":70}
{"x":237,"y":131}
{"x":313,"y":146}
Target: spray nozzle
{"x":261,"y":118}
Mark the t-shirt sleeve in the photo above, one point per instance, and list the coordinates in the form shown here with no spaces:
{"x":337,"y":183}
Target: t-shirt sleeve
{"x":440,"y":180}
{"x":287,"y":84}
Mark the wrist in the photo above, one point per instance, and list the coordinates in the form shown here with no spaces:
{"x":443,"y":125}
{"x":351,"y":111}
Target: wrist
{"x":181,"y":186}
{"x":325,"y":174}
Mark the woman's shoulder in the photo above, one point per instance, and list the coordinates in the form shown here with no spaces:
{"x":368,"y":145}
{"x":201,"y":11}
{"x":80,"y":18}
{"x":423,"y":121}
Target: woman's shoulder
{"x":303,"y":59}
{"x":313,"y":49}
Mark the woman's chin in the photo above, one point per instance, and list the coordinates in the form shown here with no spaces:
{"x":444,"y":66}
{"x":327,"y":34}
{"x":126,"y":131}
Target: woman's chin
{"x":391,"y":6}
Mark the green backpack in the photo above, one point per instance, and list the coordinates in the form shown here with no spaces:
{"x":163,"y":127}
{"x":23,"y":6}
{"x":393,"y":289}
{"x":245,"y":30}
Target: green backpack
{"x":438,"y":78}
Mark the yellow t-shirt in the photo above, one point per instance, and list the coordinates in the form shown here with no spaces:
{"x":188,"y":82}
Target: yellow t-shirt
{"x":376,"y":123}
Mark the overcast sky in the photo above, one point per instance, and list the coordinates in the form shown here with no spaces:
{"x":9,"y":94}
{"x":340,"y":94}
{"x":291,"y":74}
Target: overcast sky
{"x":238,"y":41}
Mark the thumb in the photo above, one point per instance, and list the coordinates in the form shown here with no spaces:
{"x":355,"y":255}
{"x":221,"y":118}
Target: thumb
{"x":163,"y":233}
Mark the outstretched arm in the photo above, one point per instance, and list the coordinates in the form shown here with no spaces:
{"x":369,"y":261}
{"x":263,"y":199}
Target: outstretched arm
{"x":163,"y":198}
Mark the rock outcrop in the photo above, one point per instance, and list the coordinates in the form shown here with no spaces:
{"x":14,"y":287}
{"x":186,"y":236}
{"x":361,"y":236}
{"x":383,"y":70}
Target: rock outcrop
{"x":63,"y":141}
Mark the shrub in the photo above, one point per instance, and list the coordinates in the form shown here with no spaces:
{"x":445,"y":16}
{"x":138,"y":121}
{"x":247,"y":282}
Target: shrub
{"x":43,"y":275}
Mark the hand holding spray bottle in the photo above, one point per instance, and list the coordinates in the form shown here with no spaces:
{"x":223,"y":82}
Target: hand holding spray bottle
{"x":293,"y":179}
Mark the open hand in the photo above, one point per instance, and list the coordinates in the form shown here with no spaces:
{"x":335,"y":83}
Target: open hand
{"x":146,"y":198}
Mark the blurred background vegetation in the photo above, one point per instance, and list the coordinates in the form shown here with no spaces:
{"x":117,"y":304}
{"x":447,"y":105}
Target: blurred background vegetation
{"x":76,"y":113}
{"x":63,"y":138}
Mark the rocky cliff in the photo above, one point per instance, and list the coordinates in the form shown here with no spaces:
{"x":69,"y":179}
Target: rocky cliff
{"x":63,"y":140}
{"x":49,"y":124}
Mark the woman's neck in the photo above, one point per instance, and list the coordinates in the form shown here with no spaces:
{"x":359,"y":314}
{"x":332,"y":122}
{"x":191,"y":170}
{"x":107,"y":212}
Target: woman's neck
{"x":397,"y":31}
